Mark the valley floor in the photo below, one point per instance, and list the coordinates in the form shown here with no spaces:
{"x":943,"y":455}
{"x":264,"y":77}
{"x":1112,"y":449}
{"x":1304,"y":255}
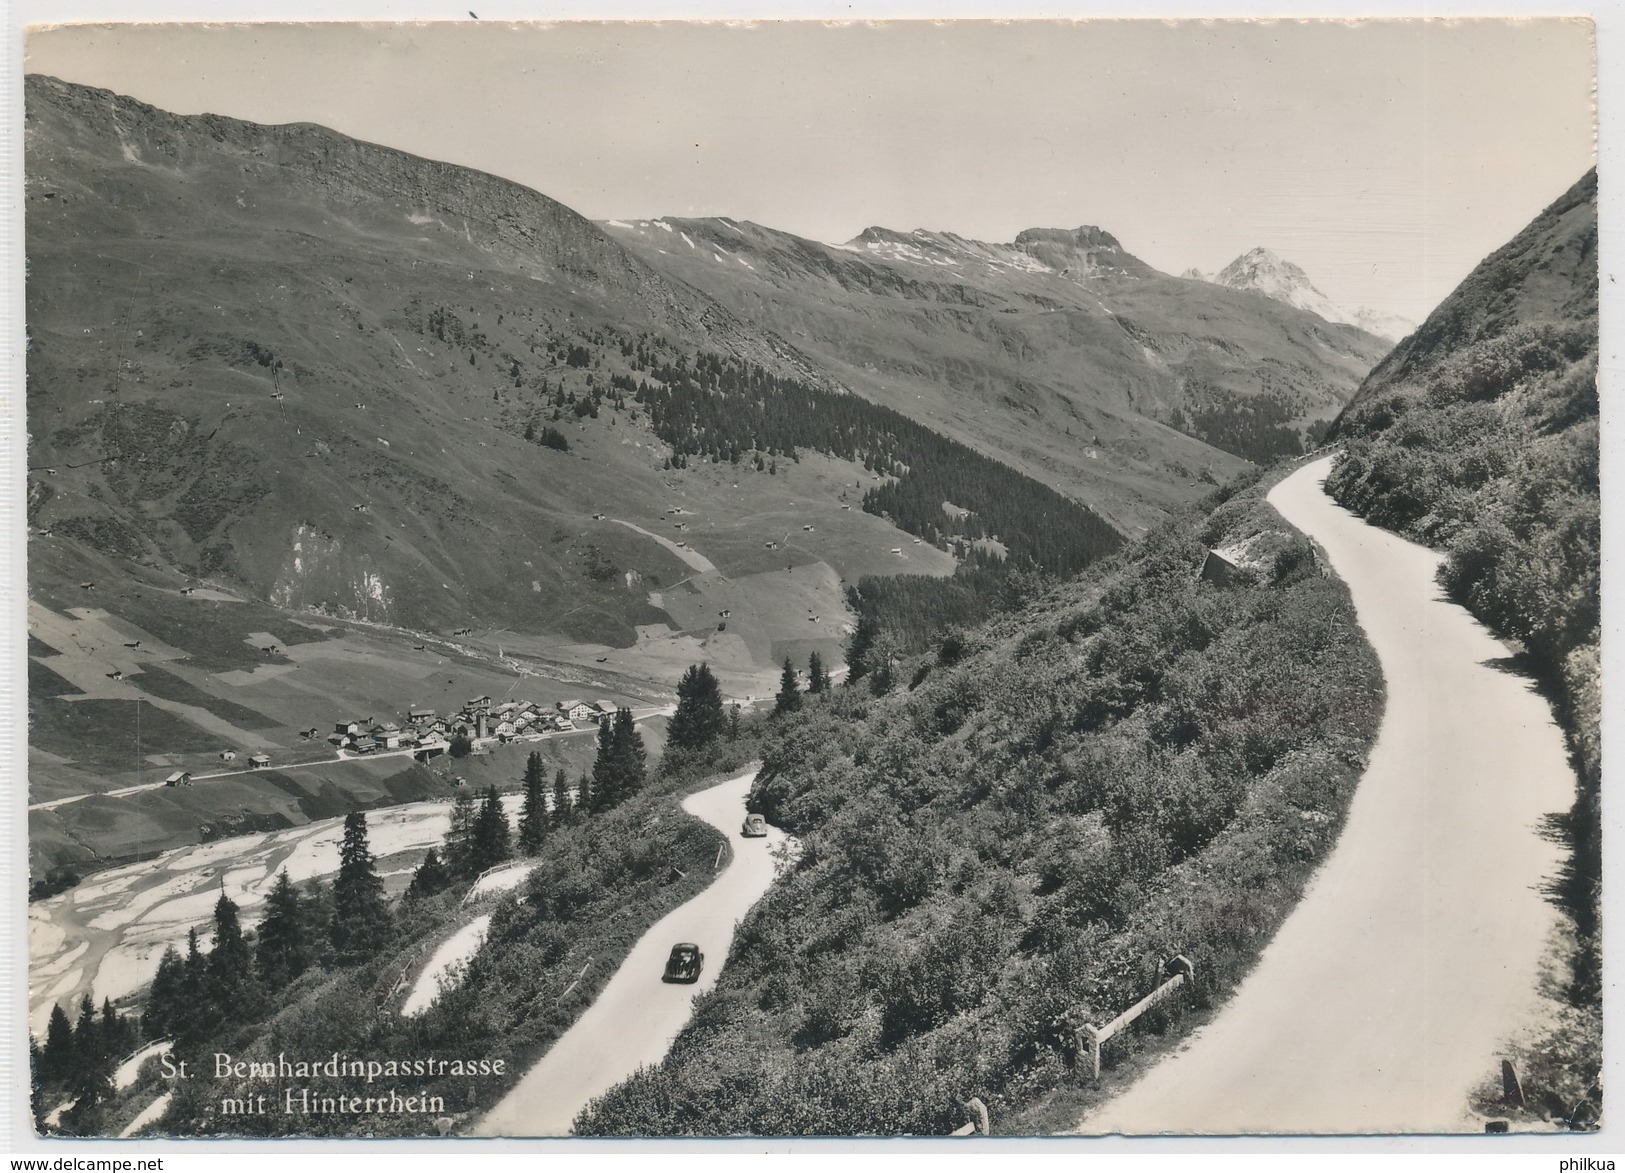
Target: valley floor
{"x":1381,"y":1002}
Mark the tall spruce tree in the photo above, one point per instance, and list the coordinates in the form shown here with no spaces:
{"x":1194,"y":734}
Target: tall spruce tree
{"x":166,"y":1003}
{"x":817,"y":674}
{"x":603,"y":768}
{"x":862,"y":641}
{"x":699,"y":717}
{"x":533,"y":814}
{"x":88,"y":1049}
{"x":360,"y":919}
{"x":194,"y":1022}
{"x":234,"y":989}
{"x":286,"y":945}
{"x":493,"y":843}
{"x":561,"y":798}
{"x":91,"y":1078}
{"x":789,"y":698}
{"x":118,"y":1034}
{"x":631,"y":759}
{"x":57,"y":1056}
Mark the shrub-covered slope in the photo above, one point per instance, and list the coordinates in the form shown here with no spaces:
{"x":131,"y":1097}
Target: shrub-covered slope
{"x":1013,"y":836}
{"x":1480,"y":435}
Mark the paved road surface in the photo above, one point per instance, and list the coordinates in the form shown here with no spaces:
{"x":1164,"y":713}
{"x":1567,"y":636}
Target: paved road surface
{"x":1384,"y":997}
{"x":637,"y":1016}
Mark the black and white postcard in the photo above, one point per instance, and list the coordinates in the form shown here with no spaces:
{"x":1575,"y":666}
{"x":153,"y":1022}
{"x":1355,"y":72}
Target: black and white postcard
{"x":790,"y":579}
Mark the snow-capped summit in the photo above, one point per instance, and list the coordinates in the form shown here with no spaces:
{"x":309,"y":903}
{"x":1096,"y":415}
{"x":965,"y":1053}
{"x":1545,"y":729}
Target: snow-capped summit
{"x":1262,"y":271}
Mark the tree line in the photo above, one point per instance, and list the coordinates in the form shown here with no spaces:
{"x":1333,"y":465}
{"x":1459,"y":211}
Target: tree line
{"x":725,"y":409}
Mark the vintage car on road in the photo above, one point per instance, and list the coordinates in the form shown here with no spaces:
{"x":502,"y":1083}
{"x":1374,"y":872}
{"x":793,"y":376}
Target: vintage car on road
{"x":755,"y":827}
{"x":684,"y":964}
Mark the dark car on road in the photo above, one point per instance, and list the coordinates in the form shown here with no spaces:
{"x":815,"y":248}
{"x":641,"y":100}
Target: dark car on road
{"x":684,"y":964}
{"x":755,"y":827}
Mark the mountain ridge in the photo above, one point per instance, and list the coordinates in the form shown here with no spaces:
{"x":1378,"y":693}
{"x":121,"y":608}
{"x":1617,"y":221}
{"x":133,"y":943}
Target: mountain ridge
{"x":1062,"y":353}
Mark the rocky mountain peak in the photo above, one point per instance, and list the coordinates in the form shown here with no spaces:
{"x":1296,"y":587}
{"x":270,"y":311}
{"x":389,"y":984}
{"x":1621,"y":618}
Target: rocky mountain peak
{"x":1083,"y":251}
{"x":1260,"y":270}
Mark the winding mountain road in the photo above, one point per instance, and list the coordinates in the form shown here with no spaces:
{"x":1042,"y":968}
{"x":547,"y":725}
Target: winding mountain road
{"x":636,"y":1017}
{"x":1415,"y":951}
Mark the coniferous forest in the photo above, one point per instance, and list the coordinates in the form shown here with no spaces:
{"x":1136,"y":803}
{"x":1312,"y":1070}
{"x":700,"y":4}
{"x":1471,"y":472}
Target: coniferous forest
{"x":728,"y":410}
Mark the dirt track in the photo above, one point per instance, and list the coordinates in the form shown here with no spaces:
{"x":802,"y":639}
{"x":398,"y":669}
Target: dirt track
{"x":1384,"y":997}
{"x":637,"y":1015}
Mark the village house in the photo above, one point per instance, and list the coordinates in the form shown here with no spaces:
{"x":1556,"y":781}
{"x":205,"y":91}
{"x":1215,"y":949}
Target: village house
{"x":178,"y":778}
{"x":228,"y":755}
{"x":477,"y":704}
{"x":605,"y":709}
{"x":259,"y":761}
{"x":578,"y":710}
{"x":420,"y":716}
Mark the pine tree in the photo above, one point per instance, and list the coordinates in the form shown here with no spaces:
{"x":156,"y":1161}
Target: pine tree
{"x":631,"y":759}
{"x":733,"y":722}
{"x":604,"y":769}
{"x":88,"y":1046}
{"x":165,"y":1003}
{"x":699,"y":717}
{"x":789,"y":698}
{"x":583,"y":803}
{"x":459,"y":853}
{"x":561,"y":798}
{"x":862,"y":641}
{"x":285,"y":948}
{"x":91,"y":1077}
{"x":430,"y":878}
{"x":36,"y":1083}
{"x":117,"y":1037}
{"x":234,"y":993}
{"x":56,"y":1059}
{"x":360,"y":920}
{"x":191,"y":1021}
{"x":817,"y":675}
{"x":533,"y":815}
{"x":492,"y":841}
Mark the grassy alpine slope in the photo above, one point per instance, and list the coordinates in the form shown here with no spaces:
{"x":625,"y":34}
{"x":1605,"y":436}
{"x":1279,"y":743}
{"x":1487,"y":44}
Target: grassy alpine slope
{"x":1017,"y":831}
{"x":1479,"y":435}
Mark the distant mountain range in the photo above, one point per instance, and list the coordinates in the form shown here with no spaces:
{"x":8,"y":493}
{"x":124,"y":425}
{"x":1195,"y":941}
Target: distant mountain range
{"x":1059,"y":353}
{"x":1261,"y":271}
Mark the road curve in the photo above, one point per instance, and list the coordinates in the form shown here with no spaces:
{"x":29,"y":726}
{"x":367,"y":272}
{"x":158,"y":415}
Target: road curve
{"x":636,"y":1017}
{"x":1383,"y":999}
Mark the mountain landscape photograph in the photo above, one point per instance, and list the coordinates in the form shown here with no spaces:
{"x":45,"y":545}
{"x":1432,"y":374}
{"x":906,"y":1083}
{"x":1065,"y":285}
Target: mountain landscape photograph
{"x":789,"y":579}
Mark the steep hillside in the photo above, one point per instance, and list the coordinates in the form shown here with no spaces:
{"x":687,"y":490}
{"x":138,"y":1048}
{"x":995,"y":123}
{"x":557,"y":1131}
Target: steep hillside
{"x":1479,"y":434}
{"x":1009,"y":836}
{"x":345,"y":379}
{"x":302,"y":363}
{"x":1059,"y":353}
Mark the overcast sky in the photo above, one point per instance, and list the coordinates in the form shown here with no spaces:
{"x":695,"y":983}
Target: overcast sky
{"x":1386,"y":158}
